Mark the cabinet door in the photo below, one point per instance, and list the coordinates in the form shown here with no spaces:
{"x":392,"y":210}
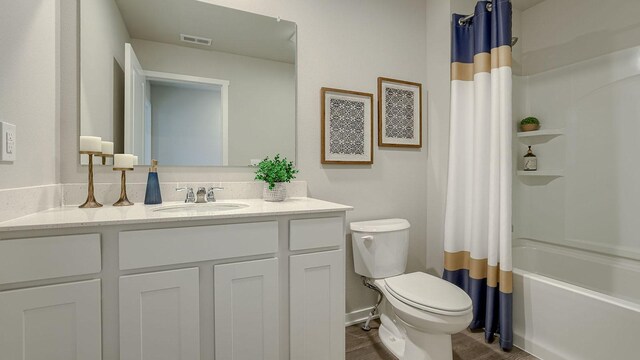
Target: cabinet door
{"x":317,"y":306}
{"x":159,"y":316}
{"x":246,"y":310}
{"x":57,"y":322}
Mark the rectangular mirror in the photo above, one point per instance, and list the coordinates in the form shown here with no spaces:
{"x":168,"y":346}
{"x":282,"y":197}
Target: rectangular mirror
{"x":187,"y":82}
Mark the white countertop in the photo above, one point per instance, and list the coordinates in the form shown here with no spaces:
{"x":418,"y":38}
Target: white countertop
{"x":74,"y":217}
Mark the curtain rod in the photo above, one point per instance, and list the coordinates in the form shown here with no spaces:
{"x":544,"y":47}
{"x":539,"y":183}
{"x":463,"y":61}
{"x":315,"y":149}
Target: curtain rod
{"x":465,"y":19}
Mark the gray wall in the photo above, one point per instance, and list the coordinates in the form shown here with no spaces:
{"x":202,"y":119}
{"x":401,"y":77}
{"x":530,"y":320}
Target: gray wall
{"x":28,"y":90}
{"x":186,"y":127}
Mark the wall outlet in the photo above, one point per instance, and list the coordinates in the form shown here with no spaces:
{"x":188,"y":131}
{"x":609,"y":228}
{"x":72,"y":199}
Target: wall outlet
{"x":7,"y":142}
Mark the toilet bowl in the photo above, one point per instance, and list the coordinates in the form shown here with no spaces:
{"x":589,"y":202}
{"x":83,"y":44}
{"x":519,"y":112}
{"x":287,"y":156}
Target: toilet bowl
{"x":420,"y":311}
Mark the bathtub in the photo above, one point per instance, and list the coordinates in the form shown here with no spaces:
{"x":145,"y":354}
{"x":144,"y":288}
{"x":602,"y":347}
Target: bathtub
{"x":573,"y":304}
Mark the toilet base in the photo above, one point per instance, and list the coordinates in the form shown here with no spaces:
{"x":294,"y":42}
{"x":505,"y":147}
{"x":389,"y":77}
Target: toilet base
{"x":394,"y":344}
{"x":408,"y":343}
{"x":420,"y":345}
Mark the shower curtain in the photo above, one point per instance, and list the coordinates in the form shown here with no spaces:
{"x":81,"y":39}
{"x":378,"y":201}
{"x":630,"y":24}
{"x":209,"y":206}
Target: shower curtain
{"x":477,"y":236}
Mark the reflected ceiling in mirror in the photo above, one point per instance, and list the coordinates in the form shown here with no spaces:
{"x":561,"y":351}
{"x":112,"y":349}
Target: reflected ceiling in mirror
{"x":186,"y":82}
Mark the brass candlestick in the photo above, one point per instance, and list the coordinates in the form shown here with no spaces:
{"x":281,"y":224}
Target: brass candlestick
{"x":123,"y":201}
{"x":104,"y":158}
{"x":91,"y":199}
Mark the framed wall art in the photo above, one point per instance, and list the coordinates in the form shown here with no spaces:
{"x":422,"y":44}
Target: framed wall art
{"x":399,"y":113}
{"x":347,"y":127}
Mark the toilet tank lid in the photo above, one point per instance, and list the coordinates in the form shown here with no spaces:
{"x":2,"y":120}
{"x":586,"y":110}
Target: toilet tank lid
{"x":377,"y":226}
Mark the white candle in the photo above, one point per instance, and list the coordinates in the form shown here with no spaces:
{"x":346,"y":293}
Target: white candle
{"x":135,"y":160}
{"x":122,"y":161}
{"x":91,"y":143}
{"x":107,"y":148}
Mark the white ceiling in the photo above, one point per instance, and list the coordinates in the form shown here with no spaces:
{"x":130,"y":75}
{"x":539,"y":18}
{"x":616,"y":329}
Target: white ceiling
{"x":232,"y":31}
{"x":525,"y":4}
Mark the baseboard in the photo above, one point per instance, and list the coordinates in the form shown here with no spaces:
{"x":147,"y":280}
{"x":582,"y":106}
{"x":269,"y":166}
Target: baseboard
{"x":358,"y":316}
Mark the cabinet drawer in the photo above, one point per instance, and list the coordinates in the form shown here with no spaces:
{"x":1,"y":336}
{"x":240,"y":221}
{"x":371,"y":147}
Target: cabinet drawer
{"x":146,"y":248}
{"x":307,"y":234}
{"x":49,"y":257}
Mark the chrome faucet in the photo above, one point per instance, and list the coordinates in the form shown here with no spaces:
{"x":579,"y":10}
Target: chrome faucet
{"x":202,"y":196}
{"x":202,"y":192}
{"x":191,"y":198}
{"x":211,"y":195}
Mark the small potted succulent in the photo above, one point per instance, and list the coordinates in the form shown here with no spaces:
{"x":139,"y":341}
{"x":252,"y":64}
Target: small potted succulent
{"x":275,"y":173}
{"x":529,"y":124}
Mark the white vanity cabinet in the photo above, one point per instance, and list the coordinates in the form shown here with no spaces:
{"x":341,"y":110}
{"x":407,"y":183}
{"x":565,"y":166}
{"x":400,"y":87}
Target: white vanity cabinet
{"x":57,"y":322}
{"x":317,"y":305}
{"x":160,"y":315}
{"x":260,"y":287}
{"x":246,"y":310}
{"x":53,"y":319}
{"x":317,"y":288}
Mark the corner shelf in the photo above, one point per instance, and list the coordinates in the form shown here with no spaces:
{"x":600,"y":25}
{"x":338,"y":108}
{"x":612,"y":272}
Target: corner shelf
{"x":547,"y":173}
{"x":545,"y":132}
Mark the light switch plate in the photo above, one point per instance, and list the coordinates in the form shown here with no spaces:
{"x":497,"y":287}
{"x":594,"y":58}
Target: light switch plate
{"x":7,"y":142}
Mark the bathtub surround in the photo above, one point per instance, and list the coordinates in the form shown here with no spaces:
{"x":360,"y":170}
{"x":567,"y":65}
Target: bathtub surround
{"x":477,"y":238}
{"x":574,"y":304}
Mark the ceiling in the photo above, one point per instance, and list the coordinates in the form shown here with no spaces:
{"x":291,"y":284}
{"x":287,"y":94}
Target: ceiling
{"x":525,"y":4}
{"x":232,"y":31}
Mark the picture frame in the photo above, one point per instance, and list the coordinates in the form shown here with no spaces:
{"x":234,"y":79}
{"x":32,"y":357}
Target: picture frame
{"x":347,"y":127}
{"x":399,"y":113}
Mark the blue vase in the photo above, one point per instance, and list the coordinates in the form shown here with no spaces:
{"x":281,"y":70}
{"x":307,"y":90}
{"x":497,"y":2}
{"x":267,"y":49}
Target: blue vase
{"x":153,"y":195}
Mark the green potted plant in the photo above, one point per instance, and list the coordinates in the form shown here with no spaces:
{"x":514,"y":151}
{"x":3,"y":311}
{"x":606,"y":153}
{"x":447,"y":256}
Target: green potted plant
{"x":275,"y":173}
{"x":529,"y":124}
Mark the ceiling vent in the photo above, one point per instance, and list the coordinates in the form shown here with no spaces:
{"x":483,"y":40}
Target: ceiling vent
{"x":198,"y":40}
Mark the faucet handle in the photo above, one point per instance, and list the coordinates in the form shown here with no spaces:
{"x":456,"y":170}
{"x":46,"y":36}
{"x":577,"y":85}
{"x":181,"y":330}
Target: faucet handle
{"x":211,"y":195}
{"x":191,"y":197}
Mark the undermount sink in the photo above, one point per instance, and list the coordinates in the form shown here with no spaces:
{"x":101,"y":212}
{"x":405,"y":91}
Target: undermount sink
{"x":200,"y":208}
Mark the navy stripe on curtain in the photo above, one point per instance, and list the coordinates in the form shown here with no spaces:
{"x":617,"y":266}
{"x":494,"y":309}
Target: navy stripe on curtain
{"x":492,"y":309}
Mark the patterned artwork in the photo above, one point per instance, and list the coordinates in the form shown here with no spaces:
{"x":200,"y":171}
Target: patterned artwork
{"x":346,"y":127}
{"x":399,"y":113}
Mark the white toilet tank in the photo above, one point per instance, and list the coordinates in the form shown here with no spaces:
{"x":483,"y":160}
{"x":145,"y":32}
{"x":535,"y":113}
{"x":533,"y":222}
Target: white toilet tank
{"x":380,"y":247}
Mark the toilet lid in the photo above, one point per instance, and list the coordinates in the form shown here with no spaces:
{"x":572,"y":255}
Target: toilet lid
{"x":429,"y":293}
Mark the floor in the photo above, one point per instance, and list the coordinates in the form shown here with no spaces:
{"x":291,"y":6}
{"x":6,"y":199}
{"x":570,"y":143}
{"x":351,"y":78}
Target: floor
{"x":363,"y":345}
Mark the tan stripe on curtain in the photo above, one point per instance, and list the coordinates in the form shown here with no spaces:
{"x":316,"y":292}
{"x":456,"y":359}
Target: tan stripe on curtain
{"x":501,"y":56}
{"x":479,"y":269}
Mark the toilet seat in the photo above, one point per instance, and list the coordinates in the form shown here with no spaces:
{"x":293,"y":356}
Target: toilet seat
{"x":429,"y":293}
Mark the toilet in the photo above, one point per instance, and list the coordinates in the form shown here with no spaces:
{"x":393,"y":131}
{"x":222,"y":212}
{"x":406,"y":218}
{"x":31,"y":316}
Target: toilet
{"x":420,"y":312}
